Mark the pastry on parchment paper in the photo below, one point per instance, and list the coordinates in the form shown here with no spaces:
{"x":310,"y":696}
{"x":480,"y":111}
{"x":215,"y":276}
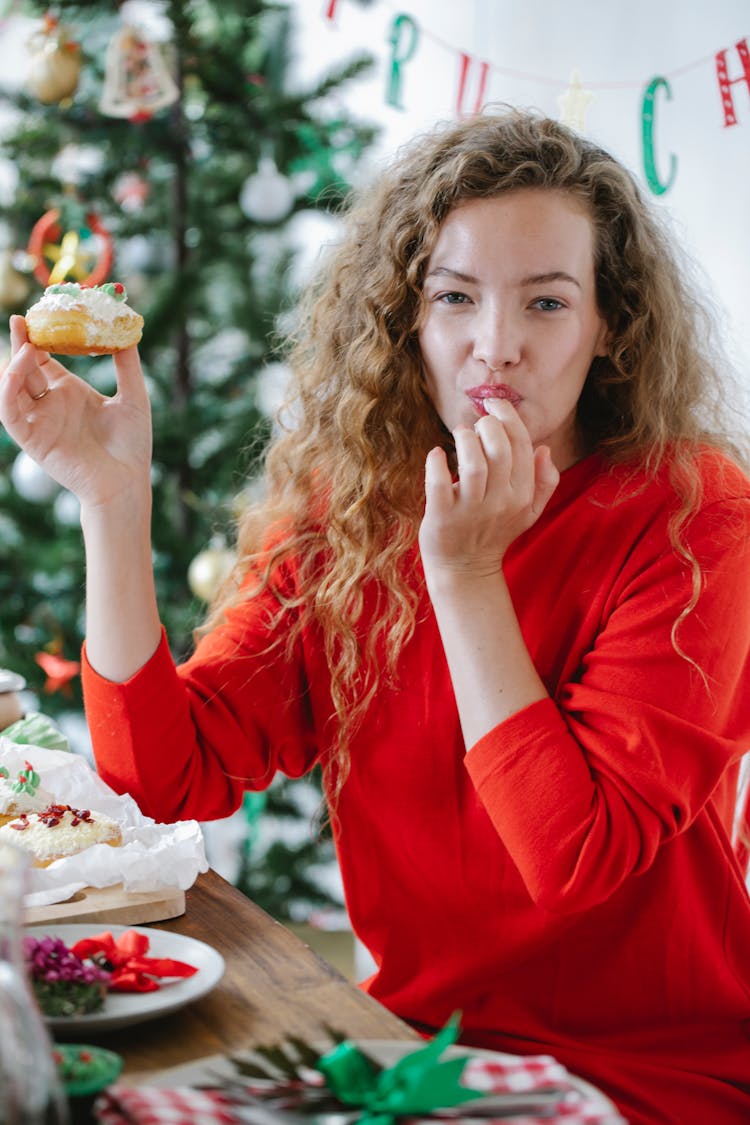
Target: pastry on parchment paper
{"x":58,"y":831}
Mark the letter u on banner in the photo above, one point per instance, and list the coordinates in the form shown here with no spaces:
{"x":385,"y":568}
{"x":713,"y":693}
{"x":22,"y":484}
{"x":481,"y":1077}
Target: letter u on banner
{"x":403,"y":39}
{"x":464,"y":67}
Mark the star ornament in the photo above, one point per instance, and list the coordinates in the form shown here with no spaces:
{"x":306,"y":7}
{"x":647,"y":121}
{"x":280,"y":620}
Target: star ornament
{"x":59,"y":671}
{"x":574,"y":103}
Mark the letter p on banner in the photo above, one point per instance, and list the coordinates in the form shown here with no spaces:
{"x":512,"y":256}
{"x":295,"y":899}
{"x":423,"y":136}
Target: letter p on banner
{"x":403,"y":39}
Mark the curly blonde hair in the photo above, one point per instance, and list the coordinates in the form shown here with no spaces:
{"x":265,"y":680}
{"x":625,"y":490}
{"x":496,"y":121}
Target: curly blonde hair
{"x":345,"y":484}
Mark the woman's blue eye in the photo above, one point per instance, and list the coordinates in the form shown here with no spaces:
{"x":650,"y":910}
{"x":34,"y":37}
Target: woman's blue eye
{"x":453,"y":298}
{"x":548,"y":304}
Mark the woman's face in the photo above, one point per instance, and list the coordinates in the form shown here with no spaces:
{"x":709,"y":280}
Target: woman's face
{"x":510,"y":312}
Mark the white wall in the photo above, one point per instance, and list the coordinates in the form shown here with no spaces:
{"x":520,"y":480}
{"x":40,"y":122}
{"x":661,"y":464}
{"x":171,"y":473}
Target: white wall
{"x":617,"y":47}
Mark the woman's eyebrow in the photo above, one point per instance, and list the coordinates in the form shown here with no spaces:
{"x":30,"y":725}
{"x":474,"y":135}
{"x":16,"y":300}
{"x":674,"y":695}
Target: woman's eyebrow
{"x":553,"y":275}
{"x":445,"y":271}
{"x":532,"y":279}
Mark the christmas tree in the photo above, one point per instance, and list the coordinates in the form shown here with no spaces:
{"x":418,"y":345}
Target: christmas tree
{"x":160,"y":145}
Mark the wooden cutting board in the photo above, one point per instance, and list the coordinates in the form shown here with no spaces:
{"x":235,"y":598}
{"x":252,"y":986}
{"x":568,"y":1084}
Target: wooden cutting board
{"x":111,"y":904}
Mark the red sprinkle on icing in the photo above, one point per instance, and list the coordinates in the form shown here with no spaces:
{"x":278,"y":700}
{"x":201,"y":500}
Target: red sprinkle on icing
{"x":53,"y":814}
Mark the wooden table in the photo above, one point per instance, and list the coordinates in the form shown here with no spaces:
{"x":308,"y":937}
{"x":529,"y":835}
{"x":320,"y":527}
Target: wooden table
{"x":274,"y":986}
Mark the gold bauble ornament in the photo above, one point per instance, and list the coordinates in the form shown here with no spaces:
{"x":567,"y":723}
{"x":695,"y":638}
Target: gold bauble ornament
{"x":14,"y":286}
{"x":208,"y":570}
{"x":55,"y":63}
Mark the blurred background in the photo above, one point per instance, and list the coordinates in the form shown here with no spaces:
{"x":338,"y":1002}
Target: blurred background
{"x":199,"y":152}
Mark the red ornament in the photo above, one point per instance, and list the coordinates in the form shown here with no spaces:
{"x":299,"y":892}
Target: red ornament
{"x":59,"y":671}
{"x":131,"y":191}
{"x":47,"y":243}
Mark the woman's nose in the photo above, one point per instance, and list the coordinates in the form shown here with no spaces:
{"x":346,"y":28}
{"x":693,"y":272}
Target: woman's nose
{"x":498,"y":338}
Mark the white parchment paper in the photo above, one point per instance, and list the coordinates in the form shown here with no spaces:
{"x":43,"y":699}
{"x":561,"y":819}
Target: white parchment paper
{"x":152,"y":857}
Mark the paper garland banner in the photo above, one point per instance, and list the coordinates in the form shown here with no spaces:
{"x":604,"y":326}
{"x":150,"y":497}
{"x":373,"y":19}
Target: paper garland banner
{"x":405,"y":35}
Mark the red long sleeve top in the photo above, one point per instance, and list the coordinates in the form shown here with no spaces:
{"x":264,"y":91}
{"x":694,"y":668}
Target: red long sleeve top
{"x":569,"y":884}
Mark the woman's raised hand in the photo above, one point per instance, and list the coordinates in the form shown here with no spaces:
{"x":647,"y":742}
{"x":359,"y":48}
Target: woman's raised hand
{"x":97,"y":447}
{"x":502,"y":488}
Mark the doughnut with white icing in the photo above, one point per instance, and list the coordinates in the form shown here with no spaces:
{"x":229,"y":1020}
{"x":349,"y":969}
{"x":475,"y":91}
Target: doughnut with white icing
{"x":73,"y":319}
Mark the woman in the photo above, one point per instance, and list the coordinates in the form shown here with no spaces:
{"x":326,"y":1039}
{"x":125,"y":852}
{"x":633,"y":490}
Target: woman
{"x":524,"y":667}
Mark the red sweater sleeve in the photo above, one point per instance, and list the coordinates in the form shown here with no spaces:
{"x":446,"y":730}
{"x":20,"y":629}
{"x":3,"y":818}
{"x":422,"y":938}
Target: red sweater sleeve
{"x":187,"y":741}
{"x":584,"y":789}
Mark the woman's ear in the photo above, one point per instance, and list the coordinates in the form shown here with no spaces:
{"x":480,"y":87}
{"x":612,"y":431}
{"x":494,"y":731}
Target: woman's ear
{"x":604,"y":339}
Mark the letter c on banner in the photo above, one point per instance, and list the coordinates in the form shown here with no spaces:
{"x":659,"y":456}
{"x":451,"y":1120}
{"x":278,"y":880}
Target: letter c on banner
{"x":403,"y":39}
{"x":647,"y":121}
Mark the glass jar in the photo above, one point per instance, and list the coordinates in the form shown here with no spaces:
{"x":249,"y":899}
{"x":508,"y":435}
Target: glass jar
{"x":30,"y":1091}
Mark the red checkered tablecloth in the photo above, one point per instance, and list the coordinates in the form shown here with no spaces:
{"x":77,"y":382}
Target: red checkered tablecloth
{"x":502,"y":1074}
{"x":148,"y":1105}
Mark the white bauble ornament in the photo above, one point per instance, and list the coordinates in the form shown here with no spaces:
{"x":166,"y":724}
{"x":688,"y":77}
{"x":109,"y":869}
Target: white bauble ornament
{"x":272,"y":387}
{"x":266,"y":196}
{"x":67,"y":509}
{"x":75,"y":163}
{"x":208,"y":570}
{"x":311,"y":233}
{"x":31,"y":482}
{"x":138,"y":254}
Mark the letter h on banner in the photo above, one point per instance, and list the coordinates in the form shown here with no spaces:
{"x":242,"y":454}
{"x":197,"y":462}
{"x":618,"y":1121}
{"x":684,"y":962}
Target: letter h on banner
{"x":726,"y":83}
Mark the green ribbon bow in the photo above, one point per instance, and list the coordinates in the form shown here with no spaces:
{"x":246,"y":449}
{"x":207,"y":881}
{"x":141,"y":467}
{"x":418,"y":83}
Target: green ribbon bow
{"x":418,"y":1083}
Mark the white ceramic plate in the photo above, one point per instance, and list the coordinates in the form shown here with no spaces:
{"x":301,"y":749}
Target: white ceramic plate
{"x":124,"y":1008}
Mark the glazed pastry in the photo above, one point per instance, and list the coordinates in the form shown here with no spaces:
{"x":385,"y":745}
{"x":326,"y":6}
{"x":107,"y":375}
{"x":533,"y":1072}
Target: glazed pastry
{"x":73,"y":319}
{"x":58,"y":831}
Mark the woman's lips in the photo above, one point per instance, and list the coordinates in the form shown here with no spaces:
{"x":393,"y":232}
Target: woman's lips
{"x":492,"y":390}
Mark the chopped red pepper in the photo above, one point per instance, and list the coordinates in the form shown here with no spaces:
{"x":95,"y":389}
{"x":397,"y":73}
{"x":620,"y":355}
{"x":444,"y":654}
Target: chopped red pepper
{"x":131,"y":970}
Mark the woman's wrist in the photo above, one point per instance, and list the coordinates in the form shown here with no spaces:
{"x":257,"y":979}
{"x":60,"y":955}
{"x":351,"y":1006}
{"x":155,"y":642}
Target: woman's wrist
{"x":466,"y":583}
